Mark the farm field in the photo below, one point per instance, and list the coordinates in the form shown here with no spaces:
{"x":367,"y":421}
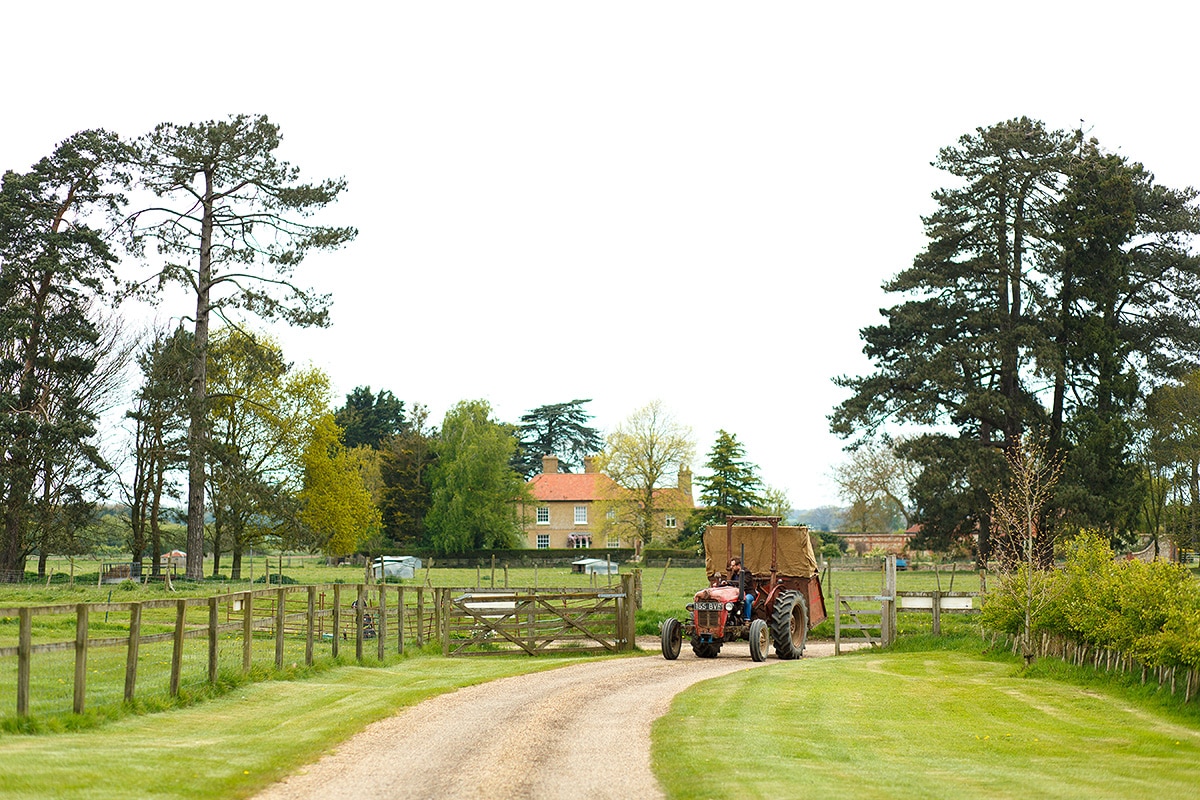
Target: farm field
{"x":924,"y":724}
{"x":665,"y":592}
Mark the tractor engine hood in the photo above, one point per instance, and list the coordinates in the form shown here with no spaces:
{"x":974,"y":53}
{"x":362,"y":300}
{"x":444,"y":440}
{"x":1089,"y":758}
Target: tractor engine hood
{"x":725,"y":594}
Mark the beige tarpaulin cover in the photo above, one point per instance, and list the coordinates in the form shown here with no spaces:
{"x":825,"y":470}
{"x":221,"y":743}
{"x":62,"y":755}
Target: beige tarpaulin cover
{"x":794,"y":556}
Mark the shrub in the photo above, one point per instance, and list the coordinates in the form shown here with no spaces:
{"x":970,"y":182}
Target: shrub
{"x":1150,"y":611}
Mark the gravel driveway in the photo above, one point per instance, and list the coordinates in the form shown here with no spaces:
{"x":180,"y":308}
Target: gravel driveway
{"x":575,"y":732}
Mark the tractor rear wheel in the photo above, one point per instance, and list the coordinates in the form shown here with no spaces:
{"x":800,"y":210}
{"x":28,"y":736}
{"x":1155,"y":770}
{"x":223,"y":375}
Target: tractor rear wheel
{"x":760,"y":640}
{"x":706,"y":649}
{"x":672,"y":638}
{"x":789,"y":625}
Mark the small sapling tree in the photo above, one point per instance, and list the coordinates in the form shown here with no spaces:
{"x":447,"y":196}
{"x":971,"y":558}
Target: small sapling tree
{"x":1020,"y":509}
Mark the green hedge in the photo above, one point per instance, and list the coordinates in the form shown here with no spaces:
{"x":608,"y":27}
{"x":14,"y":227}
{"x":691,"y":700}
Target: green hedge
{"x":1150,"y":611}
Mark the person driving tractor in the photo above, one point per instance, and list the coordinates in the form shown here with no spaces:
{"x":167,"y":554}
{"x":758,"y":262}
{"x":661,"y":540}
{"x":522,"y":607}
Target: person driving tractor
{"x":736,"y":571}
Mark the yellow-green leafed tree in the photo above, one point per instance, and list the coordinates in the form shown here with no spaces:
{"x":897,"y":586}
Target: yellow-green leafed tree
{"x":336,"y":503}
{"x":260,"y":416}
{"x":643,"y":456}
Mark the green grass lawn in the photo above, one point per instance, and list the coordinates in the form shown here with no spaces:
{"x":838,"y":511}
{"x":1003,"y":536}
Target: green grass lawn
{"x":665,"y":592}
{"x":925,"y":720}
{"x":925,"y":724}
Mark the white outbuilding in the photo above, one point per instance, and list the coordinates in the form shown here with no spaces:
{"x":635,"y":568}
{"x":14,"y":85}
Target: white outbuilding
{"x":594,"y":566}
{"x":396,"y":567}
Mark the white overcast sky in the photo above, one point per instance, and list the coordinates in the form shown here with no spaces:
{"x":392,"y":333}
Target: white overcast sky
{"x":694,"y":202}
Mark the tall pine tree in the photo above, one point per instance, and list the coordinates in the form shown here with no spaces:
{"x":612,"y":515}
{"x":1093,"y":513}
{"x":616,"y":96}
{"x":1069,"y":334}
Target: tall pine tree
{"x":558,"y":429}
{"x":56,"y":261}
{"x":731,"y":486}
{"x":233,"y":225}
{"x":1058,"y":283}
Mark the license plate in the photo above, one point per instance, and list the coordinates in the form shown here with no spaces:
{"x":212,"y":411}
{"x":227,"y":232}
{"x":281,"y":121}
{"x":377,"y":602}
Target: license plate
{"x":706,"y":605}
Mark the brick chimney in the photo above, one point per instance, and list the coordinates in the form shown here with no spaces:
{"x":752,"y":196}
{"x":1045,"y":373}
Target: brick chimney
{"x":591,"y":464}
{"x":685,"y":480}
{"x":549,"y":465}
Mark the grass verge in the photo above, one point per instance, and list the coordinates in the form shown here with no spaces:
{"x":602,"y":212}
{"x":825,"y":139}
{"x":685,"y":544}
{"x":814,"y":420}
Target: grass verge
{"x":918,"y":722}
{"x":234,"y":745}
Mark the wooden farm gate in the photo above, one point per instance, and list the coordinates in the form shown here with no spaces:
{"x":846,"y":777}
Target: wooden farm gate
{"x":884,"y":607}
{"x":533,"y":621}
{"x":851,"y":607}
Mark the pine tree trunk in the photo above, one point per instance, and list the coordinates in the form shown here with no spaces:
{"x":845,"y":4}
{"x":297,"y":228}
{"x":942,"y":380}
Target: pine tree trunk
{"x":198,"y":423}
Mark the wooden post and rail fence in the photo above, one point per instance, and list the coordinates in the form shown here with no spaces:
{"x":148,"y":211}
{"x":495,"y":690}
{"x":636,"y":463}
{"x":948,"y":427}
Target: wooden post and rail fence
{"x":864,"y":614}
{"x":116,"y":650}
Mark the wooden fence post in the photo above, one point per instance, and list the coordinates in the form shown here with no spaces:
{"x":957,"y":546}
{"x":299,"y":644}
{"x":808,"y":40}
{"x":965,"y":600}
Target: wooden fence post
{"x":663,"y":577}
{"x":24,"y":658}
{"x":420,"y":617}
{"x":131,"y":657}
{"x":531,"y":620}
{"x":81,"y":648}
{"x":443,"y":606}
{"x":359,"y":601}
{"x":400,"y":620}
{"x":381,"y":628}
{"x":177,"y":646}
{"x":247,"y":630}
{"x":280,"y":608}
{"x":337,"y":617}
{"x":628,"y":621}
{"x":437,"y":615}
{"x":837,"y":622}
{"x":213,"y":622}
{"x":310,"y":625}
{"x":937,"y":613}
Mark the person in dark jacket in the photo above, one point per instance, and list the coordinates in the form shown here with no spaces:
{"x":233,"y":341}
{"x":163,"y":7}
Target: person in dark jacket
{"x":743,"y":579}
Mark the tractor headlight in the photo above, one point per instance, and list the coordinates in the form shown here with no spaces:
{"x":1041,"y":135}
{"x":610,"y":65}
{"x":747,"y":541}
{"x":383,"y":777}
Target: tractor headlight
{"x":729,"y":606}
{"x":690,"y":606}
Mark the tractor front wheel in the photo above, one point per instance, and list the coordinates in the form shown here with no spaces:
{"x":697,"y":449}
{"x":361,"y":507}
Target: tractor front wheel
{"x":760,"y":640}
{"x":672,"y":638}
{"x":789,"y":625}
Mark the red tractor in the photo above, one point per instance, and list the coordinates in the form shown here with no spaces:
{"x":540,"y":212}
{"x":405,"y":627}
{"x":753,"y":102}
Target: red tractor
{"x":784,"y":588}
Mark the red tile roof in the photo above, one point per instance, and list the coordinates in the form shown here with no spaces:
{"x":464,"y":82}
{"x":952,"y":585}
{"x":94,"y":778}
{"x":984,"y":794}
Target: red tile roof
{"x":571,"y":486}
{"x":563,"y":486}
